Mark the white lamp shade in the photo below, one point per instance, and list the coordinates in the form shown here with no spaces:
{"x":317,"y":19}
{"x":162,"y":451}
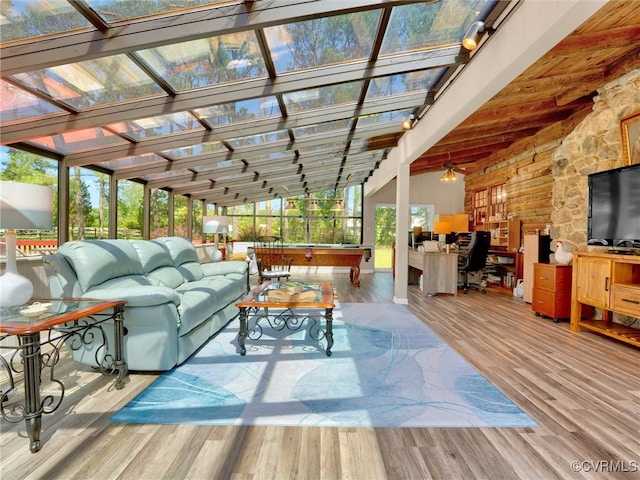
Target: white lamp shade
{"x":24,"y":206}
{"x":215,"y":224}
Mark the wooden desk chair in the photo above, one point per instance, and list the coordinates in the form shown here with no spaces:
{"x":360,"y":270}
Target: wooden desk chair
{"x":272,"y":264}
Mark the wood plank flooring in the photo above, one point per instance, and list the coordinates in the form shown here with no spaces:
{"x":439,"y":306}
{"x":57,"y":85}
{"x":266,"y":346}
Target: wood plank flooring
{"x":582,"y":389}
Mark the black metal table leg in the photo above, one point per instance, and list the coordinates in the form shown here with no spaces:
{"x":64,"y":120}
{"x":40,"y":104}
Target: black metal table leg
{"x":30,"y":344}
{"x":328,"y":316}
{"x":244,"y":330}
{"x":120,"y":362}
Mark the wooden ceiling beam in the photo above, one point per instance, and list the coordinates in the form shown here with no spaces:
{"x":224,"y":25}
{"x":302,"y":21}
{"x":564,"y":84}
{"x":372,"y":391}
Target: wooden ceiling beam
{"x":598,"y":40}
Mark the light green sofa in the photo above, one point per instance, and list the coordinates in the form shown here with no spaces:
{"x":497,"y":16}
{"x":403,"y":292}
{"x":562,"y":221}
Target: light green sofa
{"x":174,"y":304}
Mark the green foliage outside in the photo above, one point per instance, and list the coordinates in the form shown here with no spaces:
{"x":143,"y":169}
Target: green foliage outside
{"x":87,"y":221}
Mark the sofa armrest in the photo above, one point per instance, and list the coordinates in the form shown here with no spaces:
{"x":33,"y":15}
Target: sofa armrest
{"x":141,"y":296}
{"x":224,"y":268}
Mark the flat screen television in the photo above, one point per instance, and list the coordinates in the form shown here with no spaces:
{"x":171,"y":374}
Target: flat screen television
{"x":614,"y":208}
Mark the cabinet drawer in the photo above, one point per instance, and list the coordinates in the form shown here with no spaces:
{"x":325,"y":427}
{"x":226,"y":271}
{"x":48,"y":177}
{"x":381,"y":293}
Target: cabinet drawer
{"x":545,"y":278}
{"x":544,"y":302}
{"x":625,"y":299}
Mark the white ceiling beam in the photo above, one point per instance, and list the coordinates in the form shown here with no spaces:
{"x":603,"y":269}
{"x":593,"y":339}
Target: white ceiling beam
{"x":531,"y":30}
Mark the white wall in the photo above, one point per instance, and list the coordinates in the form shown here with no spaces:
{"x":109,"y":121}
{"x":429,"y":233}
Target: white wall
{"x":427,"y":189}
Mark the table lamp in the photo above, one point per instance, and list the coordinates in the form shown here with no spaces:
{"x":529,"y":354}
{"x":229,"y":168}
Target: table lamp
{"x":442,"y":229}
{"x":23,"y":206}
{"x":215,"y":224}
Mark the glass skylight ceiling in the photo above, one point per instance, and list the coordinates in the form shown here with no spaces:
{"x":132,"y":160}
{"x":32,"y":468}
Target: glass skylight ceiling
{"x":227,"y":101}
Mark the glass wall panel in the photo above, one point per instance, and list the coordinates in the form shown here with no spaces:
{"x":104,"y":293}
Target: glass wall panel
{"x":130,"y":209}
{"x":159,"y":213}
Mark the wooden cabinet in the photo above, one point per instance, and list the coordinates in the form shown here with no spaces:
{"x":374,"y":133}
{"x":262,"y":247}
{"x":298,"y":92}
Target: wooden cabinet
{"x":609,"y":282}
{"x":505,"y":233}
{"x":552,"y":290}
{"x":536,"y":250}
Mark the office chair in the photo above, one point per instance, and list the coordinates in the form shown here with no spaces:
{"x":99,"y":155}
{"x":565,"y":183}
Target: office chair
{"x":272,"y":264}
{"x":474,"y":260}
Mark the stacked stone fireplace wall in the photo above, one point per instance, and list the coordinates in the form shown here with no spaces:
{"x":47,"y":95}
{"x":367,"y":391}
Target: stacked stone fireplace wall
{"x":593,"y":146}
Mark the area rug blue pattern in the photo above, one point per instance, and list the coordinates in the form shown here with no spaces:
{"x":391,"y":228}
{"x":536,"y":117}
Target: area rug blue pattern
{"x":387,"y":370}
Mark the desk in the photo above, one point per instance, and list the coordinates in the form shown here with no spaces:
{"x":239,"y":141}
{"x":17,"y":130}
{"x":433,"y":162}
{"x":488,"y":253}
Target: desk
{"x":69,"y":320}
{"x":439,"y":271}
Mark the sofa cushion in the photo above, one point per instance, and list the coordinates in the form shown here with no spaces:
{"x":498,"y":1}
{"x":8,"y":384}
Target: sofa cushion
{"x":201,"y":299}
{"x":97,"y":261}
{"x":191,"y":271}
{"x":136,"y":296}
{"x":166,"y":276}
{"x":225,"y":268}
{"x":152,"y":255}
{"x":157,"y":263}
{"x":185,"y":257}
{"x":62,"y":279}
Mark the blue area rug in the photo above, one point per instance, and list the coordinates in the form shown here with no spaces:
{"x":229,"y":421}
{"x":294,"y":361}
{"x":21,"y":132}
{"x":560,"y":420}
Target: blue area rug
{"x":387,"y":370}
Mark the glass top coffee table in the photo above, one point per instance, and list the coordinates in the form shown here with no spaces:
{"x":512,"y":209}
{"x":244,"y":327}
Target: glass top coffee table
{"x":287,"y":305}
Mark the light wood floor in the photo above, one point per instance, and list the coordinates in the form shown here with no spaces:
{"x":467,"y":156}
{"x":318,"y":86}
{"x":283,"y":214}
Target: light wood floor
{"x":582,"y":389}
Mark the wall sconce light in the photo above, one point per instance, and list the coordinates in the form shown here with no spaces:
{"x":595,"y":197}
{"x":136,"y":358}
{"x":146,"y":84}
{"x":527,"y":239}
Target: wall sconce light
{"x":308,"y":253}
{"x":473,"y":35}
{"x":409,"y":122}
{"x":367,"y":254}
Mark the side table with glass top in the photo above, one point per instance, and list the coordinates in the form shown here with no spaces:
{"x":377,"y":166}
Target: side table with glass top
{"x":52,"y":323}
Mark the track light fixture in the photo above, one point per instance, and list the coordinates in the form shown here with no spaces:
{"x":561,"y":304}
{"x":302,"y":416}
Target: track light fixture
{"x":409,"y":122}
{"x":473,"y":35}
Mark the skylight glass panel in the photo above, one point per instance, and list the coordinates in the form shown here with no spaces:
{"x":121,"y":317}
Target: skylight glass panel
{"x":322,"y":41}
{"x":263,"y":138}
{"x":208,"y":147}
{"x":242,"y":111}
{"x":21,"y":19}
{"x":92,"y":82}
{"x":272,"y":157}
{"x":79,"y":140}
{"x":117,"y":10}
{"x":168,"y":176}
{"x":403,"y":83}
{"x":17,"y":104}
{"x":135,"y":161}
{"x":428,"y":24}
{"x":162,"y":125}
{"x":322,"y":97}
{"x":395,"y":116}
{"x":332,"y":149}
{"x":209,"y":61}
{"x":323,"y":127}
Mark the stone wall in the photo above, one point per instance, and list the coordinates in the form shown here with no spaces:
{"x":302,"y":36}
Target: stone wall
{"x":593,"y":146}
